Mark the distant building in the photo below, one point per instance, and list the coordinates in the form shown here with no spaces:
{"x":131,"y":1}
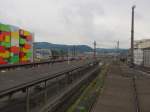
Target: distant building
{"x":43,"y":54}
{"x":89,"y":54}
{"x":142,"y":44}
{"x":138,"y":56}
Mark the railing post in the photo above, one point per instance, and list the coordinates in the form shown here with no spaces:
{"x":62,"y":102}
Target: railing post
{"x":68,"y":78}
{"x":45,"y":92}
{"x":27,"y":100}
{"x":10,"y":96}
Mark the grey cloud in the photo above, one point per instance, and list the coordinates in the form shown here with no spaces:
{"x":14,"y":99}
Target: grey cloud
{"x":78,"y":21}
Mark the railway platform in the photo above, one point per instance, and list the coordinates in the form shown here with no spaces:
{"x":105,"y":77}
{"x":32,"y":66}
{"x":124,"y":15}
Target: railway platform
{"x":125,"y":90}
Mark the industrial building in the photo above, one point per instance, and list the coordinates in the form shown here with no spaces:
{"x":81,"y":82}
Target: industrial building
{"x":16,"y":45}
{"x":43,"y":54}
{"x":142,"y":52}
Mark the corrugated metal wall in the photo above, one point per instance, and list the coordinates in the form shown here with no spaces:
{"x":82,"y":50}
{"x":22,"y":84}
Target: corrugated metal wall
{"x":142,"y":57}
{"x":138,"y":56}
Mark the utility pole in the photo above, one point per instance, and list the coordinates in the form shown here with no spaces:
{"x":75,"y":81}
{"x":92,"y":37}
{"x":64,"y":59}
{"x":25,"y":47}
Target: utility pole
{"x":132,"y":37}
{"x":118,"y":46}
{"x":68,"y":55}
{"x":94,"y":49}
{"x":118,"y":55}
{"x":74,"y":50}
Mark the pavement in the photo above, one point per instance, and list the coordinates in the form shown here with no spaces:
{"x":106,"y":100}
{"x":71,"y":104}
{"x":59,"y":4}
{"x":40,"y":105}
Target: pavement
{"x":143,"y":91}
{"x":117,"y":95}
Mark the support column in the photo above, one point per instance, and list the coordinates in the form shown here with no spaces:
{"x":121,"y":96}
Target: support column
{"x":27,"y":100}
{"x":45,"y":92}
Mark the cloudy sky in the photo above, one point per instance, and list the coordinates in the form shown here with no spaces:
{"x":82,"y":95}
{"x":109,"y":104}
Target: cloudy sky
{"x":79,"y":21}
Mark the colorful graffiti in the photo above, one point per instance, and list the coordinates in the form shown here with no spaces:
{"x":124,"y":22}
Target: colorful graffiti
{"x":16,"y":45}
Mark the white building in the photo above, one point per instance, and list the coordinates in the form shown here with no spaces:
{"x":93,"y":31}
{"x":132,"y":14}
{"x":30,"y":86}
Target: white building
{"x":140,"y":54}
{"x":142,"y":44}
{"x":43,"y":54}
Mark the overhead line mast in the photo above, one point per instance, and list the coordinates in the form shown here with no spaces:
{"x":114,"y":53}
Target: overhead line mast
{"x":94,"y":49}
{"x":132,"y":37}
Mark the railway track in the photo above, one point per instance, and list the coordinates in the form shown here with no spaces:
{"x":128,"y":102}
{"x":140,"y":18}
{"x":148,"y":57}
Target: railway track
{"x":136,"y":98}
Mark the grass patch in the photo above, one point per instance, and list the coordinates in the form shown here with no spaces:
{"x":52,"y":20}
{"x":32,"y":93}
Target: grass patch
{"x":89,"y":95}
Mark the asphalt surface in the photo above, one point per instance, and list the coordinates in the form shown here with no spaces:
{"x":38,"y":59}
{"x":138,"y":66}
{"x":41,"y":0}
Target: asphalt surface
{"x":143,"y":90}
{"x":12,"y":78}
{"x":117,"y":95}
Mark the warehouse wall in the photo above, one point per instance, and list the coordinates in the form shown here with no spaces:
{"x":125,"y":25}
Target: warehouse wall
{"x":43,"y":54}
{"x":142,"y":57}
{"x":138,"y":56}
{"x":147,"y":57}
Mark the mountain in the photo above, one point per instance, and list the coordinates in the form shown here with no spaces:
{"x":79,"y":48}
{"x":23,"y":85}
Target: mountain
{"x":107,"y":50}
{"x":58,"y":47}
{"x":78,"y":48}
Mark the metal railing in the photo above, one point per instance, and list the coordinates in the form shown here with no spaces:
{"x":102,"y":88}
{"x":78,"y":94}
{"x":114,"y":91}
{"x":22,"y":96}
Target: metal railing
{"x":32,"y":64}
{"x":25,"y":87}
